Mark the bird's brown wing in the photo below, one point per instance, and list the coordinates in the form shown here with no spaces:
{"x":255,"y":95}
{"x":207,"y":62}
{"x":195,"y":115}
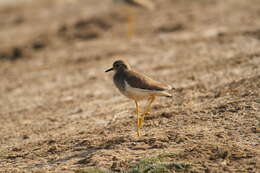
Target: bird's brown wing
{"x":142,"y":3}
{"x":138,"y":80}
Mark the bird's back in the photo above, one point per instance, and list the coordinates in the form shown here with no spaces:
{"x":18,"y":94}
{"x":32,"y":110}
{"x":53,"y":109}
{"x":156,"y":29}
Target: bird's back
{"x":138,"y":80}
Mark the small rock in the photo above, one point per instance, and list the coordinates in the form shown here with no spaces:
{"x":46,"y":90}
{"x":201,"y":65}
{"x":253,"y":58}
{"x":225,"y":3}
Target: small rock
{"x":171,"y":28}
{"x":166,"y":115}
{"x":16,"y":149}
{"x":53,"y":149}
{"x":25,"y":137}
{"x":38,"y":44}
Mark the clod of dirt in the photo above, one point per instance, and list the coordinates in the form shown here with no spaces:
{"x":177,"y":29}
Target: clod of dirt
{"x":166,"y":115}
{"x":38,"y":44}
{"x":219,"y":154}
{"x":240,"y":155}
{"x":159,"y":145}
{"x":92,"y":33}
{"x":150,"y":141}
{"x":19,"y":20}
{"x":25,"y":137}
{"x":49,"y":142}
{"x":90,"y":28}
{"x":83,"y":161}
{"x":140,"y":147}
{"x":255,"y":129}
{"x":231,"y":107}
{"x":15,"y":149}
{"x":53,"y":149}
{"x":254,"y":33}
{"x":171,"y":28}
{"x":12,"y":54}
{"x":178,"y":138}
{"x":12,"y":157}
{"x":150,"y":117}
{"x":85,"y":29}
{"x":62,"y":29}
{"x":100,"y":23}
{"x":83,"y":143}
{"x":117,"y":166}
{"x":110,"y":144}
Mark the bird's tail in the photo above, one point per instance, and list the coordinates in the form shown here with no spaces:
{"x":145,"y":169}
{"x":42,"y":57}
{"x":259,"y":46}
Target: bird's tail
{"x":173,"y":88}
{"x":167,"y":94}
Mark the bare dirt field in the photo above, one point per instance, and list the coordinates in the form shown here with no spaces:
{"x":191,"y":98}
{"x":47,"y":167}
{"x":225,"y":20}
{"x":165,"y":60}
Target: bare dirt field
{"x":59,"y":111}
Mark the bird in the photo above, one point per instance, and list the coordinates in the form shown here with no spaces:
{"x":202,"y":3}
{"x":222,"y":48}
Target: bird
{"x":137,"y":87}
{"x":148,"y":4}
{"x":144,"y":4}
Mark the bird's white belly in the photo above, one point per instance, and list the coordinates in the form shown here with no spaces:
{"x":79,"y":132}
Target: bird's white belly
{"x":139,"y":94}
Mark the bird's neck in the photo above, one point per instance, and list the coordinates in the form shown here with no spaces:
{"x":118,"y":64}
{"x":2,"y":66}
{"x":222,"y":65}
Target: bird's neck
{"x":122,"y":70}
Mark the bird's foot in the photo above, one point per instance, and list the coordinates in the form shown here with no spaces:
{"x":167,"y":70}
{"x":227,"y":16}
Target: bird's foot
{"x":138,"y":132}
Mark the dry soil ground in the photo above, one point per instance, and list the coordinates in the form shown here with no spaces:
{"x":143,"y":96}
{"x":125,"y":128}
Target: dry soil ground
{"x":60,"y":112}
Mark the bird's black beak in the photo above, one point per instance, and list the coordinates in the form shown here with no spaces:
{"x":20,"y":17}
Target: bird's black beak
{"x":109,"y":69}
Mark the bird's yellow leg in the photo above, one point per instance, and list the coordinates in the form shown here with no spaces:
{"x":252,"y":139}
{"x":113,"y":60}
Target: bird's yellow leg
{"x":149,"y":106}
{"x":137,"y":117}
{"x":130,"y":30}
{"x":146,"y":110}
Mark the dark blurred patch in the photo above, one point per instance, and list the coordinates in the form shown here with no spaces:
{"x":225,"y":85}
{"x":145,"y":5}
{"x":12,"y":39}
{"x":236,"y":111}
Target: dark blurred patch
{"x":11,"y":21}
{"x":53,"y":149}
{"x":19,"y":20}
{"x":246,"y":88}
{"x":253,"y":33}
{"x":117,"y":17}
{"x":92,"y":33}
{"x":15,"y":149}
{"x":171,"y":28}
{"x":63,"y":29}
{"x":12,"y":54}
{"x":85,"y":29}
{"x":15,"y":156}
{"x":231,"y":107}
{"x":112,"y":143}
{"x":99,"y":22}
{"x":167,"y":114}
{"x":38,"y":44}
{"x":24,"y":137}
{"x":219,"y":153}
{"x":84,"y":161}
{"x":241,"y":155}
{"x":151,"y":117}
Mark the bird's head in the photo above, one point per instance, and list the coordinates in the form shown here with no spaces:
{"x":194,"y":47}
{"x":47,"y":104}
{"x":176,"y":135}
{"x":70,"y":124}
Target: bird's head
{"x":119,"y":65}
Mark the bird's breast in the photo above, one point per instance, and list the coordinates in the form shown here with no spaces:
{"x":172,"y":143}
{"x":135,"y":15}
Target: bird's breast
{"x":119,"y":82}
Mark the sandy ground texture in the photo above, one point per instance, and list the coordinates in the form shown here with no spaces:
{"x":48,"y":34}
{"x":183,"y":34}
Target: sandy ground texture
{"x":60,"y":112}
